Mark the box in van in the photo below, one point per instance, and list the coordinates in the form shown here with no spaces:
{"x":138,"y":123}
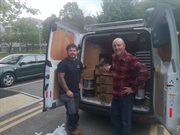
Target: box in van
{"x":153,"y":40}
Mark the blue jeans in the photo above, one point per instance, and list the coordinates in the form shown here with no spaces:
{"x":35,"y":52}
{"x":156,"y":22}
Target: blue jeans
{"x":72,"y":110}
{"x":121,"y":110}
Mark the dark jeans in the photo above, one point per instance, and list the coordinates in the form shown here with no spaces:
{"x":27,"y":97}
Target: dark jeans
{"x":121,"y":110}
{"x":72,"y":108}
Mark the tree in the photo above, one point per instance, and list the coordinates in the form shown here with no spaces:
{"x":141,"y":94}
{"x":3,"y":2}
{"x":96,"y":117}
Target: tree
{"x":11,"y":9}
{"x":72,"y":14}
{"x":117,"y":10}
{"x":27,"y":31}
{"x":47,"y":26}
{"x":8,"y":37}
{"x":90,"y":20}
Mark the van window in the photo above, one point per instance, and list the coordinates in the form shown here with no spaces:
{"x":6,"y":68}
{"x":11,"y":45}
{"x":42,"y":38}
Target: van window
{"x":28,"y":59}
{"x":162,"y":41}
{"x":160,"y":35}
{"x":40,"y":58}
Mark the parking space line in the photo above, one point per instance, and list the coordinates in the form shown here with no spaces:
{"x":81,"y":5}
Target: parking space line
{"x":21,"y":118}
{"x":19,"y":121}
{"x":20,"y":115}
{"x":15,"y":102}
{"x":153,"y":130}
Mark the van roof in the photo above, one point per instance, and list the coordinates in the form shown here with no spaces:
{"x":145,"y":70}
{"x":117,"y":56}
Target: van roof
{"x":115,"y":25}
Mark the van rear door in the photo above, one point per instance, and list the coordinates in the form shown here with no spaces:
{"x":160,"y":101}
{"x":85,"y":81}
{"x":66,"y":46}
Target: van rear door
{"x":166,"y":62}
{"x":61,"y":35}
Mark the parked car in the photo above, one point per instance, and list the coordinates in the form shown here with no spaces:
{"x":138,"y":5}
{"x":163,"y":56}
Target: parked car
{"x":20,"y":66}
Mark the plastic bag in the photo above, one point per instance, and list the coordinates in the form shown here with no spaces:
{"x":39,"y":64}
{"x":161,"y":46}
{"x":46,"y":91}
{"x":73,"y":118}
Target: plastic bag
{"x":38,"y":133}
{"x":60,"y":130}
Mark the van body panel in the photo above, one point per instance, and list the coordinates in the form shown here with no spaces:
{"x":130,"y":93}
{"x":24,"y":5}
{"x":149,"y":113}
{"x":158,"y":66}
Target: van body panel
{"x":166,"y":64}
{"x":61,"y":35}
{"x":152,"y":40}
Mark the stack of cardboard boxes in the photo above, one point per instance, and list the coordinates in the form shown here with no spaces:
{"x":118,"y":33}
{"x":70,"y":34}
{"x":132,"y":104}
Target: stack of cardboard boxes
{"x":97,"y":83}
{"x":104,"y":85}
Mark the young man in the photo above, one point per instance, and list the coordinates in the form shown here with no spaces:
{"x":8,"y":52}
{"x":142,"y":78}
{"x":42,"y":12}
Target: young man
{"x":128,"y":76}
{"x":69,"y":77}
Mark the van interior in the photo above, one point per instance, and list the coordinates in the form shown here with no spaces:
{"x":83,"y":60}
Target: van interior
{"x":97,"y":50}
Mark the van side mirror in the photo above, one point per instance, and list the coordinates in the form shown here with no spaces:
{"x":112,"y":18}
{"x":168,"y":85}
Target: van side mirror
{"x":22,"y":63}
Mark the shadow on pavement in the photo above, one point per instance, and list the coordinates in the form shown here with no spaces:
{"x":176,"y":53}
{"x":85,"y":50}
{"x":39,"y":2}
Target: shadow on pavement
{"x":7,"y":93}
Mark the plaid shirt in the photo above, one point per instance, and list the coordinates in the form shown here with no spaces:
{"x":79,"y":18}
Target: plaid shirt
{"x":127,"y":71}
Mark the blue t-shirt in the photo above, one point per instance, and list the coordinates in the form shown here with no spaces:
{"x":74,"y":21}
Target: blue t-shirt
{"x":72,"y":70}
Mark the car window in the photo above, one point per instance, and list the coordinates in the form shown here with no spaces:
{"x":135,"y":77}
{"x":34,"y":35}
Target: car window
{"x":28,"y":59}
{"x":11,"y":59}
{"x":40,"y":58}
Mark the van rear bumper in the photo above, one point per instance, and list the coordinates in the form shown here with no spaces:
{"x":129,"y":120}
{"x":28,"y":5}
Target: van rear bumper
{"x":96,"y":109}
{"x":104,"y":110}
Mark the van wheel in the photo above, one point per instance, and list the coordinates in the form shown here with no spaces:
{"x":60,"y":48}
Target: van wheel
{"x":8,"y":79}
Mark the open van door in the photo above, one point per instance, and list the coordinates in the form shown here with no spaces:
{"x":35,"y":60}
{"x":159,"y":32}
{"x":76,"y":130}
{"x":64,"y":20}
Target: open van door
{"x":61,"y":35}
{"x":165,"y":49}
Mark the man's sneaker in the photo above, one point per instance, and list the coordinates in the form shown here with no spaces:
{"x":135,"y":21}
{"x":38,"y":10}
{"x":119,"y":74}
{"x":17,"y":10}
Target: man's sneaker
{"x":76,"y":132}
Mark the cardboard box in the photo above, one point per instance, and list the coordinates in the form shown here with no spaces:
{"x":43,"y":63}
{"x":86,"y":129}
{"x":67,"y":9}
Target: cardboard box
{"x":105,"y":88}
{"x":104,"y":98}
{"x":105,"y":79}
{"x":91,"y":55}
{"x":88,"y":74}
{"x":100,"y":71}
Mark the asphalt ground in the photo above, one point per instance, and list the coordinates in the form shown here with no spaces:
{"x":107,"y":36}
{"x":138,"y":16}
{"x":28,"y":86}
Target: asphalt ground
{"x":7,"y":93}
{"x":18,"y":107}
{"x":11,"y":101}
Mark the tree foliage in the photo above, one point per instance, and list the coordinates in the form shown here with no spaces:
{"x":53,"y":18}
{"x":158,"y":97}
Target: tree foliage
{"x":8,"y":37}
{"x":27,"y":31}
{"x":117,"y":10}
{"x":46,"y":27}
{"x":90,"y":20}
{"x":11,"y":9}
{"x":72,"y":14}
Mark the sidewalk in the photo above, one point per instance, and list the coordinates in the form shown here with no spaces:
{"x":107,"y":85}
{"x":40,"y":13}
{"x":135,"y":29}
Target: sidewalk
{"x":11,"y":101}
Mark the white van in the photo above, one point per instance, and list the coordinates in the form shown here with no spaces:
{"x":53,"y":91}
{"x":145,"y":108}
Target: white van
{"x":152,"y":39}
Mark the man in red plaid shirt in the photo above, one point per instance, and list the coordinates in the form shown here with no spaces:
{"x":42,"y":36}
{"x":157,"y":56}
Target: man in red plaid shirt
{"x":129,"y":75}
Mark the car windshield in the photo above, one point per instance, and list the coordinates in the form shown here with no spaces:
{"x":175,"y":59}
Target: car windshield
{"x":11,"y":59}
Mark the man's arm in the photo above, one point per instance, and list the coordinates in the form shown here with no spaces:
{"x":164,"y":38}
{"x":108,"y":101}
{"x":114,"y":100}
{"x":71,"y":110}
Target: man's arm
{"x":63,"y":84}
{"x":81,"y":81}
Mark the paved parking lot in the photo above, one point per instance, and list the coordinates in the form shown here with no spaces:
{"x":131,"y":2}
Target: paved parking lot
{"x":11,"y":101}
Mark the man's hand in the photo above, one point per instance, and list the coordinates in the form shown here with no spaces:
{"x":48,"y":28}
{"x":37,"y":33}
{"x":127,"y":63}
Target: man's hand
{"x":106,"y":68}
{"x":80,"y":86}
{"x":127,"y":90}
{"x":69,"y":93}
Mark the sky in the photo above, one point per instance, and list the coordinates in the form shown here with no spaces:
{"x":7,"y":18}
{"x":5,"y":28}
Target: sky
{"x":49,"y":7}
